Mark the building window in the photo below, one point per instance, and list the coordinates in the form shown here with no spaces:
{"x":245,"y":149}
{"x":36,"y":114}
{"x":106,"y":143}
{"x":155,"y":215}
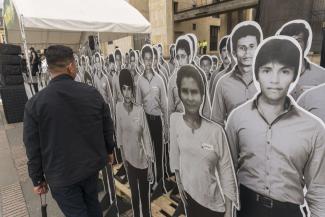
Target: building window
{"x":214,"y":30}
{"x":175,"y":7}
{"x":194,"y":26}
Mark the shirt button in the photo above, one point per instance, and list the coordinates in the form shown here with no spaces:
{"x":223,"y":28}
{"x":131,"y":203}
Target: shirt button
{"x":267,"y":188}
{"x":268,"y":142}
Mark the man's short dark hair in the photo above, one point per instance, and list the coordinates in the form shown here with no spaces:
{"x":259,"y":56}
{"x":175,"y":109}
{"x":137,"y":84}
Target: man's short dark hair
{"x":214,"y":59}
{"x":223,"y":43}
{"x":111,"y":58}
{"x":184,"y":45}
{"x":189,"y":71}
{"x":206,"y":57}
{"x":125,"y":78}
{"x":282,"y":51}
{"x":58,"y":55}
{"x":146,"y":49}
{"x":117,"y":52}
{"x":295,"y":29}
{"x":243,"y":31}
{"x":132,"y":54}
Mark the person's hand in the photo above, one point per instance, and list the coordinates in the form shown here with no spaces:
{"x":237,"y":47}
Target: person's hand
{"x":110,"y":159}
{"x":151,"y":177}
{"x":41,"y":189}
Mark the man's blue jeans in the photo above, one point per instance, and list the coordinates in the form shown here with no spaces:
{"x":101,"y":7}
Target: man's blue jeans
{"x":80,"y":199}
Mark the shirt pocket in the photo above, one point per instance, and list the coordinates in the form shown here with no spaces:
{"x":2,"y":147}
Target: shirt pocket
{"x":155,"y":91}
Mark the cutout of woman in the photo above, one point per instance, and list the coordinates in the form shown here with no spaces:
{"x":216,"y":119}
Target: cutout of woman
{"x":133,"y":138}
{"x":199,"y":153}
{"x":88,"y":79}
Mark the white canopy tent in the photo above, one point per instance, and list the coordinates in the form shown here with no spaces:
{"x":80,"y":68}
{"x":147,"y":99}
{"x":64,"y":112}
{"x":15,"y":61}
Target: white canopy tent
{"x":69,"y":22}
{"x":40,"y":23}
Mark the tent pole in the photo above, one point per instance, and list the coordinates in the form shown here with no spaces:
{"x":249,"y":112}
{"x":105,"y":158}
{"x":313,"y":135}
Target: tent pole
{"x":23,"y":36}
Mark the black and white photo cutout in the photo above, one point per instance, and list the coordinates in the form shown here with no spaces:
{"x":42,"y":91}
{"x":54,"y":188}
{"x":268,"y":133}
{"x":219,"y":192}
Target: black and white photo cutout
{"x":277,"y":147}
{"x":151,"y":94}
{"x":182,"y":57}
{"x":312,"y":100}
{"x":237,"y":86}
{"x":311,"y":74}
{"x":117,"y":96}
{"x":199,"y":153}
{"x":88,"y":74}
{"x":133,"y":139}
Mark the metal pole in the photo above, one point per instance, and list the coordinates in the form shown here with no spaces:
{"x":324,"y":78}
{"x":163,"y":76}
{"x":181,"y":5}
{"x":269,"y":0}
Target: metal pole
{"x":23,"y":36}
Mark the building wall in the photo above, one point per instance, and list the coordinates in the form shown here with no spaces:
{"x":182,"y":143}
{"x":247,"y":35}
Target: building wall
{"x":202,"y":29}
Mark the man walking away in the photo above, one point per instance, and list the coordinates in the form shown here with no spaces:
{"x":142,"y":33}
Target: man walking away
{"x":68,"y":134}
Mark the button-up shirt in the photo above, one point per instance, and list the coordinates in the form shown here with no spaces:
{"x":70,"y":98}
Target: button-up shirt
{"x":279,"y":159}
{"x":102,"y":85}
{"x":232,"y":90}
{"x":313,"y":100}
{"x":203,"y":159}
{"x":214,"y":81}
{"x":117,"y":95}
{"x":152,"y":95}
{"x":313,"y":75}
{"x":132,"y":134}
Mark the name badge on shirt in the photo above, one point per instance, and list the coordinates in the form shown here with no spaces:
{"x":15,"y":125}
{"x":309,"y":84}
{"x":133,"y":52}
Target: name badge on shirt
{"x":207,"y":147}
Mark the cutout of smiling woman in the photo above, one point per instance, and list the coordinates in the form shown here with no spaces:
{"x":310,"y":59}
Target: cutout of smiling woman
{"x":199,"y":153}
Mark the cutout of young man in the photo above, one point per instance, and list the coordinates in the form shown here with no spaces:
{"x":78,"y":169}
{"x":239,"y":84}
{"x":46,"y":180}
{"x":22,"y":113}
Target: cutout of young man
{"x":311,"y":74}
{"x":277,"y":147}
{"x":237,"y":87}
{"x":151,"y":94}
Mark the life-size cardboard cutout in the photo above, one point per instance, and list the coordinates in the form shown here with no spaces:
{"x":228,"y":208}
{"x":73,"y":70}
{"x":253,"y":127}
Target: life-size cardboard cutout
{"x":151,"y":94}
{"x":134,"y":140}
{"x":237,"y":87}
{"x":311,"y":74}
{"x":199,"y":153}
{"x":88,"y":74}
{"x":278,"y":136}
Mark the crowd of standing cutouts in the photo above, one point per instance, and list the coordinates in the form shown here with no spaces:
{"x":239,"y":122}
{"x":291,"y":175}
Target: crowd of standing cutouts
{"x":241,"y":133}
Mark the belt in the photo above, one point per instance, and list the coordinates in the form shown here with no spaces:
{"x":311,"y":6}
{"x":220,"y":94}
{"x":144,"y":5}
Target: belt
{"x":152,"y":117}
{"x":265,"y":201}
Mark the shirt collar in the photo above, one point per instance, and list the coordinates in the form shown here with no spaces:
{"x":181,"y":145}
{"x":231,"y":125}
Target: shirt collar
{"x":61,"y":77}
{"x":236,"y":74}
{"x":288,"y":107}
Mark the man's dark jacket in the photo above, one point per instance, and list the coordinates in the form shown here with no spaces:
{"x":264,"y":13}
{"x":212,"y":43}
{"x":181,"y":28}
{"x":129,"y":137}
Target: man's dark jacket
{"x":68,"y":132}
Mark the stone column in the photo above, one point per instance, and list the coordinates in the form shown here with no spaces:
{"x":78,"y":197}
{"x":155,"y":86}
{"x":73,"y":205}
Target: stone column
{"x":162,"y":23}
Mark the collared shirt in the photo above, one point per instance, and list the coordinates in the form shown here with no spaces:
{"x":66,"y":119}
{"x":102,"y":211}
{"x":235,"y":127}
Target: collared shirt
{"x":88,"y":79}
{"x":68,"y":132}
{"x":152,"y":95}
{"x":279,"y":159}
{"x":174,"y":102}
{"x":203,"y":159}
{"x":117,"y":95}
{"x":132,"y":134}
{"x":313,"y":100}
{"x":232,"y":90}
{"x":102,"y":85}
{"x":215,"y":78}
{"x":313,"y":75}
